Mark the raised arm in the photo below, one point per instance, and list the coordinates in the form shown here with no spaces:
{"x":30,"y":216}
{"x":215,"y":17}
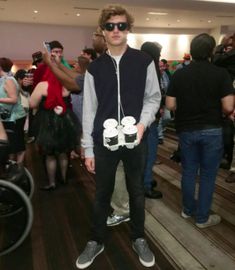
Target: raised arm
{"x":61,"y":73}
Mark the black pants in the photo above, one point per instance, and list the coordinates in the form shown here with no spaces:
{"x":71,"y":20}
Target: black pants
{"x":31,"y":132}
{"x":106,"y":162}
{"x":228,"y":134}
{"x":4,"y":148}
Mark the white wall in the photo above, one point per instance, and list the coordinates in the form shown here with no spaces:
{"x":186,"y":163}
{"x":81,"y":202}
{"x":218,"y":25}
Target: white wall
{"x":174,"y":46}
{"x":19,"y":40}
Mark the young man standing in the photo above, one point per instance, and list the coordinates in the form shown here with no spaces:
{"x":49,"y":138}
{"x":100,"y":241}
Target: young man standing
{"x":122,"y":82}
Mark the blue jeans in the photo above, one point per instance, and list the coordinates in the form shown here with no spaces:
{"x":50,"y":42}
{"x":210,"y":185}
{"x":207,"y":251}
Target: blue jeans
{"x":106,"y":163}
{"x":201,"y":151}
{"x":152,"y":144}
{"x":164,"y":120}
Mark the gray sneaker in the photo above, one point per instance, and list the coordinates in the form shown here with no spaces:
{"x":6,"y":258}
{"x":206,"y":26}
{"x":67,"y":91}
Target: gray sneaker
{"x":114,"y":220}
{"x":146,"y":256}
{"x":212,"y":220}
{"x":87,"y":257}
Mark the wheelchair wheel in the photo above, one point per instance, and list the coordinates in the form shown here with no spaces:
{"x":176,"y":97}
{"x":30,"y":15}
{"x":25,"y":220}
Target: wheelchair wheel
{"x":28,"y":184}
{"x":14,"y":228}
{"x":21,"y":177}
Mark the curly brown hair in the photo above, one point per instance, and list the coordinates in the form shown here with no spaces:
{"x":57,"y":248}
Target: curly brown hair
{"x":115,"y":10}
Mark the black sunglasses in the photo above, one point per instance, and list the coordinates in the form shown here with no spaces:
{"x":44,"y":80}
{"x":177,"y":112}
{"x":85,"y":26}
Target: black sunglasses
{"x":122,"y":26}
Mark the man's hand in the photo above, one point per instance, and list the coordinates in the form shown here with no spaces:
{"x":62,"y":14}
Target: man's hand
{"x":46,"y":57}
{"x":56,"y":59}
{"x":140,"y":131}
{"x":232,"y":115}
{"x":161,"y":111}
{"x":52,"y":60}
{"x":90,"y":164}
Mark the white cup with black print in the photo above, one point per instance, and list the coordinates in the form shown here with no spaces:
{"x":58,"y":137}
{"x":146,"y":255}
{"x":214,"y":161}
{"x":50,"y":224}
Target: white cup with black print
{"x":110,"y":133}
{"x":130,"y":135}
{"x":111,"y":136}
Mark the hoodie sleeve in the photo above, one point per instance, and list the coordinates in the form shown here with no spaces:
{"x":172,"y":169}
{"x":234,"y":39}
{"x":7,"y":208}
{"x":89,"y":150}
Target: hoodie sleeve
{"x":89,"y":111}
{"x":152,"y":97}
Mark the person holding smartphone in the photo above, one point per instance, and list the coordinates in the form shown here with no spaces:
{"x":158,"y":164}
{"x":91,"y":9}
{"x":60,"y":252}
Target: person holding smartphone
{"x":55,"y":123}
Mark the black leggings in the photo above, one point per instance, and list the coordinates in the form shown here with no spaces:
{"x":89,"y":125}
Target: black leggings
{"x":4,"y":148}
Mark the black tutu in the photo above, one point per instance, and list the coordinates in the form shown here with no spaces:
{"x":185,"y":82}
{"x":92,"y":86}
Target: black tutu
{"x":56,"y":134}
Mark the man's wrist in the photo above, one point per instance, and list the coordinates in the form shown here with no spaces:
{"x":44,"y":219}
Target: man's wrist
{"x":88,"y":152}
{"x":142,"y":125}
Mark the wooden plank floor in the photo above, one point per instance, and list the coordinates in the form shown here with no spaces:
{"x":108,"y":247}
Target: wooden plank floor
{"x":61,"y":228}
{"x":211,"y":248}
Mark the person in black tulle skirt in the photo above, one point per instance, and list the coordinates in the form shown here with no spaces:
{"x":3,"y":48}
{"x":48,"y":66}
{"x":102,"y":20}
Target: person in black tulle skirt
{"x":55,"y":124}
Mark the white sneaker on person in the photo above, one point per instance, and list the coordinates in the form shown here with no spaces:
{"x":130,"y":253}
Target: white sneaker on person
{"x":114,"y":220}
{"x":212,"y":221}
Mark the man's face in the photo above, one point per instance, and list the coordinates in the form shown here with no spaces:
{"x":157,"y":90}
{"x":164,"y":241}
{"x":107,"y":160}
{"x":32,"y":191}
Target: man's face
{"x":229,"y":45}
{"x":162,"y":66}
{"x":116,"y":35}
{"x":57,"y":52}
{"x":87,"y":55}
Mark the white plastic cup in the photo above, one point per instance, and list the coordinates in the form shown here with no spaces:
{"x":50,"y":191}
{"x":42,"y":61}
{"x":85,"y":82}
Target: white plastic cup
{"x":111,"y":136}
{"x":110,"y":123}
{"x":130,"y":133}
{"x":128,"y":121}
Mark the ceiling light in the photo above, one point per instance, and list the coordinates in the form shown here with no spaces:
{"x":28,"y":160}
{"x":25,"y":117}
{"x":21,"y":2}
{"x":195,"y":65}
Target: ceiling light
{"x":219,"y":1}
{"x":178,"y":20}
{"x":209,"y":21}
{"x":224,"y":16}
{"x":147,"y":19}
{"x":78,"y":14}
{"x":158,"y":13}
{"x":35,"y":11}
{"x":86,"y":8}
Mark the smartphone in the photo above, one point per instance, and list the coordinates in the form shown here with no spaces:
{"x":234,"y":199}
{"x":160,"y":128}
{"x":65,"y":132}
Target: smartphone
{"x":47,"y":46}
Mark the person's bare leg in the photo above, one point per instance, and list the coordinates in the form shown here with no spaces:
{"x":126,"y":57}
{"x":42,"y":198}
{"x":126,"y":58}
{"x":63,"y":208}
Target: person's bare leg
{"x":20,"y":157}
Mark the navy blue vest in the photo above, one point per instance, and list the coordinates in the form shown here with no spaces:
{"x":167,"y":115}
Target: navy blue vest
{"x":133,"y":72}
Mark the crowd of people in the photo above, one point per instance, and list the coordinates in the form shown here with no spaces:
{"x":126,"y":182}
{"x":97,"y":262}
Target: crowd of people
{"x":64,"y":109}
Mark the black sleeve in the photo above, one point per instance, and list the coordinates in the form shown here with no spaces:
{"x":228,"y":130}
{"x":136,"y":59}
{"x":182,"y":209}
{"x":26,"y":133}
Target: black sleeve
{"x":221,"y":59}
{"x":227,"y":84}
{"x":172,"y":88}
